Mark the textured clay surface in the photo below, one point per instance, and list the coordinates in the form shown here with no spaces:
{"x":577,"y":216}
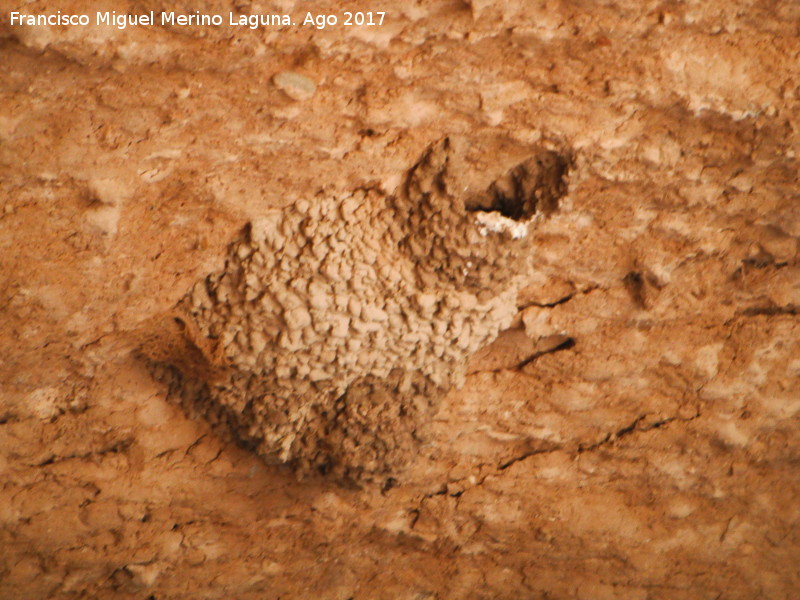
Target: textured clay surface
{"x":278,"y":223}
{"x":337,"y":324}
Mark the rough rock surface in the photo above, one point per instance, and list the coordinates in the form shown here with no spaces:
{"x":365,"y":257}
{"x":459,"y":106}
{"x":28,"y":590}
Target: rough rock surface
{"x":632,"y":434}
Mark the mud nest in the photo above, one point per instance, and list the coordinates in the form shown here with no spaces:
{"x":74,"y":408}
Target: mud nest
{"x":337,"y":324}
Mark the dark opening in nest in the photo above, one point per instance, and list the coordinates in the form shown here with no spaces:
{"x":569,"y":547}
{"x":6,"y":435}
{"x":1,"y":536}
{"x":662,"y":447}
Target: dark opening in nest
{"x":535,"y":185}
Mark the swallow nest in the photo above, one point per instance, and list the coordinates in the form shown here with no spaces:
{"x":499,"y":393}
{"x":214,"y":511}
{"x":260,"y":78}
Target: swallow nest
{"x":337,"y":324}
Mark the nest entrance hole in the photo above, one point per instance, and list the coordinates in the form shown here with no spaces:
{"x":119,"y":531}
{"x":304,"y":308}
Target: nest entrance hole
{"x":534,"y":186}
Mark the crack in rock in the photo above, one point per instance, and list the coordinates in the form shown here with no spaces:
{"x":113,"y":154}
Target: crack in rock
{"x":114,"y":447}
{"x":633,"y":428}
